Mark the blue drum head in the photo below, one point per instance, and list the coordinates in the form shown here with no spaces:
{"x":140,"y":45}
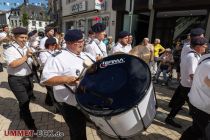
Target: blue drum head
{"x":113,"y":85}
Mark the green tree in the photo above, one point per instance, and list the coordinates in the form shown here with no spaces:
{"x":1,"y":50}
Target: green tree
{"x":25,"y":19}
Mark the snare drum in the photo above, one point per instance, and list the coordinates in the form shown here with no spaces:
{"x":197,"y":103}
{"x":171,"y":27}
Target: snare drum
{"x":118,"y":96}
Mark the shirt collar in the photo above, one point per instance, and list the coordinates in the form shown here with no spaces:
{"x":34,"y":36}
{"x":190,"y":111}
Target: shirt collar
{"x":17,"y":46}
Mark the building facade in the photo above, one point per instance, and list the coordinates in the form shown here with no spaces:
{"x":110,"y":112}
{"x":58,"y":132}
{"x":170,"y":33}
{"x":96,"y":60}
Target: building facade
{"x":82,"y":14}
{"x":4,"y":18}
{"x":168,"y":20}
{"x":35,"y":17}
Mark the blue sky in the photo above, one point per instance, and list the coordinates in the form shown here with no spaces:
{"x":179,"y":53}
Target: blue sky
{"x":8,"y":4}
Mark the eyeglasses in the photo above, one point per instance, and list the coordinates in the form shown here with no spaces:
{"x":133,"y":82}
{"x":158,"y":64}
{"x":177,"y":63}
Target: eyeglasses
{"x":79,"y":42}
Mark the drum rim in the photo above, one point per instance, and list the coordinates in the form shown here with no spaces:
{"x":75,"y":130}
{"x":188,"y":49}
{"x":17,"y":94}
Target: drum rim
{"x":128,"y":108}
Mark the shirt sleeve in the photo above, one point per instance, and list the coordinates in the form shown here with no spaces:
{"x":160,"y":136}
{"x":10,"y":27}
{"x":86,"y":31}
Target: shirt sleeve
{"x":90,"y":49}
{"x":43,"y":57}
{"x":8,"y":56}
{"x":42,"y":43}
{"x":51,"y":69}
{"x":192,"y":64}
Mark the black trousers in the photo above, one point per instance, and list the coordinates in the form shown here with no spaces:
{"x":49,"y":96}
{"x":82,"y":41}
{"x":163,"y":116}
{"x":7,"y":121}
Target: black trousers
{"x":22,"y":88}
{"x":200,"y":129}
{"x":49,"y":97}
{"x":180,"y":96}
{"x":75,"y":120}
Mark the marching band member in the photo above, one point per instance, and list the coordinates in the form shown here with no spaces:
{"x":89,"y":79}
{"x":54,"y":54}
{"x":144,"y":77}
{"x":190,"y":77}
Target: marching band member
{"x":50,"y":46}
{"x":188,"y":65}
{"x":96,"y":47}
{"x":122,"y":44}
{"x":62,"y":72}
{"x":4,"y":33}
{"x":49,"y":32}
{"x":17,"y":57}
{"x":200,"y":102}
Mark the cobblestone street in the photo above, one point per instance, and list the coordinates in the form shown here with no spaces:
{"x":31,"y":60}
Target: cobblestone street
{"x":45,"y":119}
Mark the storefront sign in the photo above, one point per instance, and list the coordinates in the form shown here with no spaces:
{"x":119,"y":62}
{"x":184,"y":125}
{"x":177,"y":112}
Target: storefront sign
{"x":78,"y":7}
{"x":100,"y":4}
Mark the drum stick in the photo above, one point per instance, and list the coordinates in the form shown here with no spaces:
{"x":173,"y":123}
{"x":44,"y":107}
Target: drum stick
{"x":87,"y":63}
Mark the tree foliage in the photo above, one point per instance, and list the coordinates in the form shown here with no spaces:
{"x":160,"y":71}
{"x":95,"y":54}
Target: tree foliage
{"x":25,"y":19}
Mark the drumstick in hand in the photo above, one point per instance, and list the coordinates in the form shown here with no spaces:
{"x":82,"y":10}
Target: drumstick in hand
{"x":87,"y":63}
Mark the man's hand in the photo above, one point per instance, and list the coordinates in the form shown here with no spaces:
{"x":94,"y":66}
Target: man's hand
{"x":29,"y":53}
{"x":72,"y":80}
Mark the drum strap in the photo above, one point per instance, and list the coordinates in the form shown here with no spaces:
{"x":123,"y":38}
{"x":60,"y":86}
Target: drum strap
{"x":100,"y":49}
{"x":22,"y":56}
{"x":203,"y":60}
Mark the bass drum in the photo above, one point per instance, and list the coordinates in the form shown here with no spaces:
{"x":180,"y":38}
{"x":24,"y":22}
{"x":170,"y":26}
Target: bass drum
{"x":118,"y":96}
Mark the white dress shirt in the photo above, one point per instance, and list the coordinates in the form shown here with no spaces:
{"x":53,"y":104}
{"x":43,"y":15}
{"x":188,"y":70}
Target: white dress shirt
{"x":199,"y":95}
{"x":186,"y":48}
{"x":65,"y":63}
{"x":3,"y":35}
{"x":188,"y":66}
{"x":12,"y":53}
{"x":96,"y":47}
{"x":42,"y":42}
{"x":44,"y":56}
{"x":120,"y":48}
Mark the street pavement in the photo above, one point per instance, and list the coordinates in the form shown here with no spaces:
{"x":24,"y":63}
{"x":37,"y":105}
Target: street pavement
{"x":46,"y":119}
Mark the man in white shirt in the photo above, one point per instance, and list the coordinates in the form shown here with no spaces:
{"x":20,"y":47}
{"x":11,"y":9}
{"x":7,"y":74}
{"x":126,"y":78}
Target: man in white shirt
{"x":122,"y":44}
{"x":96,"y":47}
{"x":188,"y":66}
{"x":4,"y":33}
{"x":199,"y":98}
{"x":20,"y":77}
{"x":195,"y":32}
{"x":50,"y":47}
{"x":49,"y":32}
{"x":62,"y":72}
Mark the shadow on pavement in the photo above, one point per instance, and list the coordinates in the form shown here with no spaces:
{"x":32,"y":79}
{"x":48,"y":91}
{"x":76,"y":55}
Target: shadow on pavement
{"x":140,"y":136}
{"x":43,"y":120}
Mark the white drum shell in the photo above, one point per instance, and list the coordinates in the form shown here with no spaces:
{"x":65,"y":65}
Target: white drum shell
{"x":131,"y":122}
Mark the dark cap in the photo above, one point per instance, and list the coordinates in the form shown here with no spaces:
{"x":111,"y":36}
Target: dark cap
{"x":47,"y":29}
{"x":50,"y":41}
{"x":199,"y":41}
{"x":123,"y":34}
{"x":197,"y":32}
{"x":19,"y":30}
{"x":98,"y":27}
{"x":73,"y":35}
{"x":32,"y":33}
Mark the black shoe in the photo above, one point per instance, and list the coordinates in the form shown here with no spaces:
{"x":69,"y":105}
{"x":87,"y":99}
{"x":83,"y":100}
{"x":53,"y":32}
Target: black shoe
{"x":171,"y":122}
{"x":48,"y":104}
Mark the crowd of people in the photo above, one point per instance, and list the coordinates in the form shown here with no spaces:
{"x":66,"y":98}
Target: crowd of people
{"x":60,"y":57}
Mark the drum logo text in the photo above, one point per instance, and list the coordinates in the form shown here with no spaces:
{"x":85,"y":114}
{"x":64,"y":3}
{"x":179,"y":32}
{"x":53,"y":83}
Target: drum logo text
{"x":112,"y":62}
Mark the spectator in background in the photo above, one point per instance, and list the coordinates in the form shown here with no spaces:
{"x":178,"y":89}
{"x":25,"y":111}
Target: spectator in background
{"x":110,"y":45}
{"x":177,"y":59}
{"x":165,"y":66}
{"x":4,"y":33}
{"x":146,"y":43}
{"x":158,"y":49}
